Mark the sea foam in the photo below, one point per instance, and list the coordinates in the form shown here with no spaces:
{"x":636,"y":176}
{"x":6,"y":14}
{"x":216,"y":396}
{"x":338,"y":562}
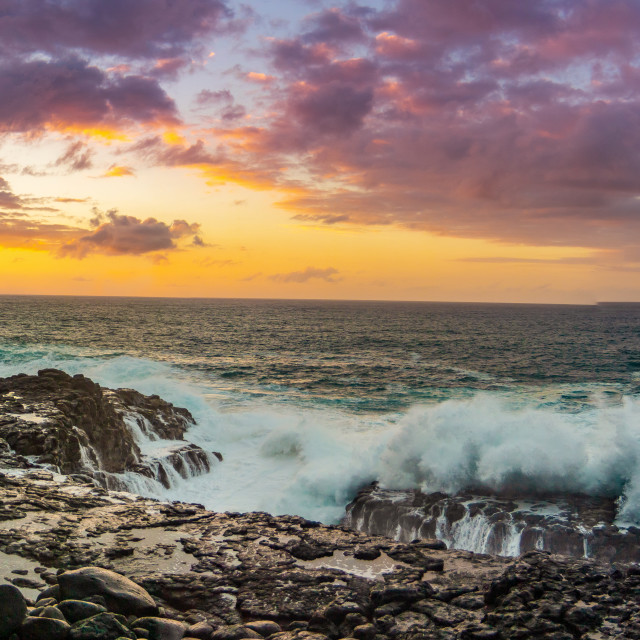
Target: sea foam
{"x":310,"y":461}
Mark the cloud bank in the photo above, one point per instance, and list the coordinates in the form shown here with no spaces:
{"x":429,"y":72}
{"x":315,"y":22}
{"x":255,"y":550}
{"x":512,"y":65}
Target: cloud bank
{"x":517,"y":122}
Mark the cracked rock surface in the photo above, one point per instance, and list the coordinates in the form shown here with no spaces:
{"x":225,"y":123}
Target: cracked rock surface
{"x":227,"y":576}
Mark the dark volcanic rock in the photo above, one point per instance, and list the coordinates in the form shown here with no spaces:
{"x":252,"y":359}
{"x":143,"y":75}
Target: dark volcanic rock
{"x":13,"y":610}
{"x":572,"y":525}
{"x":44,"y":628}
{"x":76,"y":426}
{"x":161,"y":629}
{"x":75,"y":610}
{"x":104,"y":626}
{"x":234,"y":632}
{"x":234,"y":576}
{"x":121,"y":594}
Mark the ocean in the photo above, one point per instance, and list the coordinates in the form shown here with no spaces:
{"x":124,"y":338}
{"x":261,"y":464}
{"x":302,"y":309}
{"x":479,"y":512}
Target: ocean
{"x":310,"y":400}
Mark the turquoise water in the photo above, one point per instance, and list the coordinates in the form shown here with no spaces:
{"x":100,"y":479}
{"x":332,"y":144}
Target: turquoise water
{"x":308,"y":400}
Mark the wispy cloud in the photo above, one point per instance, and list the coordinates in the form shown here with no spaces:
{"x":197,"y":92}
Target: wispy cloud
{"x":310,"y":273}
{"x":76,"y":157}
{"x":118,"y":171}
{"x":514,"y":260}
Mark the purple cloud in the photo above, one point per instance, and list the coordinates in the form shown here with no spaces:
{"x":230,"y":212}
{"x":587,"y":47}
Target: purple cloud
{"x":517,"y":122}
{"x":126,"y":235}
{"x":140,"y":29}
{"x":8,"y":200}
{"x":72,"y":93}
{"x":76,"y":157}
{"x":334,"y":26}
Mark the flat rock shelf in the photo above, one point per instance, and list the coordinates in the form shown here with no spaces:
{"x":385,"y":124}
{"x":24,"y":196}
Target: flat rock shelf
{"x":227,"y":576}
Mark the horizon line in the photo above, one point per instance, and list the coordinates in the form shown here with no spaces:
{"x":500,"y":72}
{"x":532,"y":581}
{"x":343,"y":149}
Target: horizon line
{"x":364,"y":300}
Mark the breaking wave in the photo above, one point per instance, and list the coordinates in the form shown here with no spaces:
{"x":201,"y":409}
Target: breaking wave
{"x":286,"y":458}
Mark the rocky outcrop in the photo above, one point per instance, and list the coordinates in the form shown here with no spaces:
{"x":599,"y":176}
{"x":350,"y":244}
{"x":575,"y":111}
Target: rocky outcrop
{"x":572,"y":525}
{"x":232,"y":576}
{"x":75,"y":426}
{"x":120,"y":594}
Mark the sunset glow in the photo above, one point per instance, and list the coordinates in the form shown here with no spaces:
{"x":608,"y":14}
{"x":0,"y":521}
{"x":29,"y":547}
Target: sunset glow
{"x":408,"y":150}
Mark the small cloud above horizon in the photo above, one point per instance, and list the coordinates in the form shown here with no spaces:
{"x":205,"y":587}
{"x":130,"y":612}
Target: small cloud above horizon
{"x":310,"y":273}
{"x":117,"y":234}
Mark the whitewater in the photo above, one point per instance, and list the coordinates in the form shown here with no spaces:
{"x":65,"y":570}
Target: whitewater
{"x":305,"y":445}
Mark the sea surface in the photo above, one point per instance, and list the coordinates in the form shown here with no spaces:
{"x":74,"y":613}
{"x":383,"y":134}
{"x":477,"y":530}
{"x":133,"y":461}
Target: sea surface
{"x":310,"y":400}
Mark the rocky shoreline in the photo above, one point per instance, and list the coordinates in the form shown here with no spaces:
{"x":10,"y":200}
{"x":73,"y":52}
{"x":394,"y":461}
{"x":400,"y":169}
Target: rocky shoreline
{"x":229,"y":576}
{"x":290,"y":578}
{"x":74,"y":426}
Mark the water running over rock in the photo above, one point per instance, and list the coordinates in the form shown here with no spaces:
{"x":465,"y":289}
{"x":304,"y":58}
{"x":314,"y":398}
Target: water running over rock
{"x":122,"y":439}
{"x":568,"y":524}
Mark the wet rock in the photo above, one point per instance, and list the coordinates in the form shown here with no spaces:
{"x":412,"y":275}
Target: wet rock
{"x":319,"y":624}
{"x":162,"y":629}
{"x":410,"y":622}
{"x":366,"y":553}
{"x":264,"y":627}
{"x":297,"y":635}
{"x":234,"y":632}
{"x":364,"y":632}
{"x":565,"y":524}
{"x":13,"y":610}
{"x":27,"y":582}
{"x":414,"y":557}
{"x":306,"y":551}
{"x":582,"y":618}
{"x":47,"y":597}
{"x":84,"y":430}
{"x":350,"y":622}
{"x":103,"y":626}
{"x":52,"y":612}
{"x":402,"y":592}
{"x":201,"y":630}
{"x":442,"y":614}
{"x":470,"y":602}
{"x":120,"y":594}
{"x":44,"y":628}
{"x":75,"y":610}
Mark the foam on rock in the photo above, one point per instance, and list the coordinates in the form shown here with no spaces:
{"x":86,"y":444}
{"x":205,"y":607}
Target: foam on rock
{"x":568,"y":524}
{"x":122,"y":439}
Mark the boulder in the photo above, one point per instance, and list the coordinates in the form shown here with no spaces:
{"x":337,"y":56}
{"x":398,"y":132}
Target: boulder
{"x":44,"y":628}
{"x":120,"y":594}
{"x":75,"y":610}
{"x":104,"y":626}
{"x":13,"y":610}
{"x":52,"y":612}
{"x":264,"y":627}
{"x":234,"y":632}
{"x":200,"y":630}
{"x":161,"y":628}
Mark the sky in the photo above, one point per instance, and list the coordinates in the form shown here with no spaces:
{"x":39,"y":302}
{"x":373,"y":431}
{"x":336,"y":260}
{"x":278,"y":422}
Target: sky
{"x":476,"y":150}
